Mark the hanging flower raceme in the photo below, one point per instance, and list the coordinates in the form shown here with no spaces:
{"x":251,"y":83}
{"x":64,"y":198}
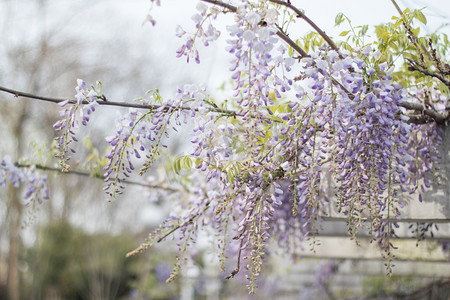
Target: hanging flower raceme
{"x":142,"y":134}
{"x":35,"y":184}
{"x":81,"y":110}
{"x":205,"y":31}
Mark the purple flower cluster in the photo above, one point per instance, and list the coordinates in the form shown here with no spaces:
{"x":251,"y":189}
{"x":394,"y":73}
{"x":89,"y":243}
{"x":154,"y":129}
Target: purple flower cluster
{"x":255,"y":58}
{"x":84,"y":106}
{"x":140,"y":135}
{"x":263,"y":177}
{"x":332,"y":115}
{"x":423,"y":147}
{"x":362,"y":135}
{"x":204,"y":31}
{"x":36,"y":189}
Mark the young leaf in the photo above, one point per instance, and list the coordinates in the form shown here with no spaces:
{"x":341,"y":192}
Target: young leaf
{"x":420,"y":16}
{"x":339,"y":19}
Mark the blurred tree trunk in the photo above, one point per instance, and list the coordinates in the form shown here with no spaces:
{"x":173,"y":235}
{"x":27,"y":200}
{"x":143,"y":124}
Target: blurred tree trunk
{"x":15,"y":214}
{"x":15,"y":209}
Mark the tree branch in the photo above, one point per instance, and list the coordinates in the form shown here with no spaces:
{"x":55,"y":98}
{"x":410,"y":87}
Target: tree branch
{"x":362,"y":258}
{"x":223,"y":4}
{"x":420,"y":66}
{"x":81,"y":173}
{"x":437,"y":117}
{"x":323,"y":218}
{"x":17,"y":94}
{"x":404,"y":220}
{"x":280,"y":34}
{"x":300,"y":14}
{"x":397,"y":7}
{"x":291,"y":43}
{"x":415,"y":66}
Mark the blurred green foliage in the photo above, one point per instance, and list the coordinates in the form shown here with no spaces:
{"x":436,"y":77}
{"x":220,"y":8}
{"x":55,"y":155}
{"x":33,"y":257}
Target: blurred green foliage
{"x":69,"y":263}
{"x":381,"y":287}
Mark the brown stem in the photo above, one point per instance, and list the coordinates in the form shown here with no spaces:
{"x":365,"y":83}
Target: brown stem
{"x":291,"y":43}
{"x":223,"y":4}
{"x":391,"y":220}
{"x":437,"y":117}
{"x":414,"y":66}
{"x":238,"y":265}
{"x":80,"y":173}
{"x":17,"y":93}
{"x":300,"y":14}
{"x":397,"y":7}
{"x":280,"y":34}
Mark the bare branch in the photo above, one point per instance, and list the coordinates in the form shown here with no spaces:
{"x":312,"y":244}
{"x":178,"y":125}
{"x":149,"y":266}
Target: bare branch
{"x":92,"y":175}
{"x":300,"y":14}
{"x":421,"y":49}
{"x":223,"y":4}
{"x":404,"y":220}
{"x":112,"y":103}
{"x":415,"y":66}
{"x":437,"y":117}
{"x":291,"y":43}
{"x":238,"y":264}
{"x":362,"y":258}
{"x":397,"y":7}
{"x":282,"y":35}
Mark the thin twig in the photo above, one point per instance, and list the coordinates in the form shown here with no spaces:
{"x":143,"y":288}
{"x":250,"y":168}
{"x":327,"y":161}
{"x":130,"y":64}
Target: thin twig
{"x":81,"y":173}
{"x":300,"y":14}
{"x":361,"y":236}
{"x":404,"y":220}
{"x":223,"y":4}
{"x":282,"y":35}
{"x":414,"y":66}
{"x":362,"y":258}
{"x":421,"y":49}
{"x":238,"y":264}
{"x":291,"y":43}
{"x":397,"y":7}
{"x":172,"y":230}
{"x":17,"y":93}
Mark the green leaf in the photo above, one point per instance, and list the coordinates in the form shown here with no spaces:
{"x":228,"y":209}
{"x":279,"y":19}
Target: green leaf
{"x":339,"y":19}
{"x":177,"y":165}
{"x":344,"y":33}
{"x":187,"y":163}
{"x":393,"y":45}
{"x":198,"y":161}
{"x":420,"y":16}
{"x":363,"y":30}
{"x":230,"y":176}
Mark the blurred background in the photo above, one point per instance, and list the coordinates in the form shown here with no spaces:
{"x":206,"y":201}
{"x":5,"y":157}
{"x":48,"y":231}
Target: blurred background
{"x":73,"y":246}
